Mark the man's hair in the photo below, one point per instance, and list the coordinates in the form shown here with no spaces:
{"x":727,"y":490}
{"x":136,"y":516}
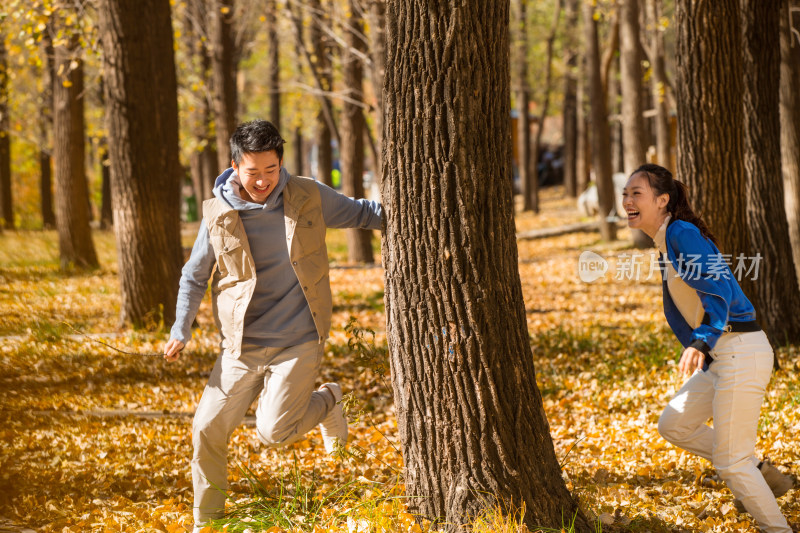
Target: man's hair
{"x":255,"y":136}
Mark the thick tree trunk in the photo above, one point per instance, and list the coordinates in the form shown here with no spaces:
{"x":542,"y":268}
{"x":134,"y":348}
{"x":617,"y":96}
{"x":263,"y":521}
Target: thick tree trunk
{"x":69,"y":151}
{"x":224,"y":67}
{"x":323,"y":68}
{"x":359,"y":241}
{"x":709,"y":95}
{"x":776,"y":294}
{"x":600,"y":134}
{"x":472,"y":426}
{"x":142,"y":122}
{"x":524,"y":162}
{"x":6,"y":202}
{"x":570,"y":105}
{"x":273,"y":65}
{"x":658,"y":83}
{"x":790,"y":119}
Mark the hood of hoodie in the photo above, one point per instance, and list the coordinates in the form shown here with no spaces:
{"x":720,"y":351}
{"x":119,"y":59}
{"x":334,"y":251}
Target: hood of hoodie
{"x":228,"y":187}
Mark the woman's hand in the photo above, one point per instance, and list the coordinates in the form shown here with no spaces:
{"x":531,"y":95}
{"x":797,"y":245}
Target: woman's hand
{"x":172,"y":350}
{"x":691,"y":360}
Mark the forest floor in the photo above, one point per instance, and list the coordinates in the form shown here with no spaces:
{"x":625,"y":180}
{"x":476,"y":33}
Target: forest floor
{"x":92,"y":439}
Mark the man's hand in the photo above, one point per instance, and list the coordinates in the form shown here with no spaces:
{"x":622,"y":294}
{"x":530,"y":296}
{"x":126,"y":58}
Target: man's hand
{"x":172,"y":350}
{"x":691,"y":360}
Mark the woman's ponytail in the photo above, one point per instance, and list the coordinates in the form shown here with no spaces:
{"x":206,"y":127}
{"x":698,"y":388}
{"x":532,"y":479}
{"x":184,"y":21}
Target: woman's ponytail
{"x":662,"y":182}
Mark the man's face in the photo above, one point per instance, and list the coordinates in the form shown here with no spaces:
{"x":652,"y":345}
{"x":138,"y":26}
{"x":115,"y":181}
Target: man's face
{"x":259,"y":173}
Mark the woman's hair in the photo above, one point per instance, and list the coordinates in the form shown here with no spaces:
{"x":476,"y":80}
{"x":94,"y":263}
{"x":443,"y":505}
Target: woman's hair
{"x":662,"y":182}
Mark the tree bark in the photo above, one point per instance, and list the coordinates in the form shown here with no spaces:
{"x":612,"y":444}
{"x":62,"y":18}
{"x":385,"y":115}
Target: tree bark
{"x":69,"y":151}
{"x":570,"y":105}
{"x":273,"y":65}
{"x":790,"y":118}
{"x":633,"y":130}
{"x":524,"y":162}
{"x":470,"y":416}
{"x":142,"y":123}
{"x":107,"y":209}
{"x":45,"y":128}
{"x":709,"y":96}
{"x":6,"y":201}
{"x":377,"y":24}
{"x":359,"y":241}
{"x":658,"y":83}
{"x":600,"y":134}
{"x":583,"y":147}
{"x":776,"y":294}
{"x":322,"y":65}
{"x":224,"y":66}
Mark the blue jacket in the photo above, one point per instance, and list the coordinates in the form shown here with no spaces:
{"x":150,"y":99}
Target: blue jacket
{"x":701,"y":265}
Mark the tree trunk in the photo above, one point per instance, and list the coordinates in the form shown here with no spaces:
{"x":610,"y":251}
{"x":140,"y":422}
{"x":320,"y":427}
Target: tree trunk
{"x":600,"y":134}
{"x":273,"y":65}
{"x":472,"y":427}
{"x":633,"y":131}
{"x":523,"y":100}
{"x":658,"y":83}
{"x":709,"y":96}
{"x":548,"y":86}
{"x":359,"y":241}
{"x":570,"y":105}
{"x":323,"y":67}
{"x":142,"y":123}
{"x":776,"y":294}
{"x":377,"y":24}
{"x":69,"y":151}
{"x":45,"y":128}
{"x":6,"y":202}
{"x":790,"y":118}
{"x":298,"y":152}
{"x":107,"y":210}
{"x":583,"y":146}
{"x":224,"y":67}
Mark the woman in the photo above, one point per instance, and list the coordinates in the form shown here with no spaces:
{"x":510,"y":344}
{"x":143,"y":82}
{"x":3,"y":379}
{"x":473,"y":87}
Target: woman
{"x":727,"y":355}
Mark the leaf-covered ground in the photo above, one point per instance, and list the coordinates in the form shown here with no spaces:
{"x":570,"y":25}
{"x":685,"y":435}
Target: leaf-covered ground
{"x":97,"y":440}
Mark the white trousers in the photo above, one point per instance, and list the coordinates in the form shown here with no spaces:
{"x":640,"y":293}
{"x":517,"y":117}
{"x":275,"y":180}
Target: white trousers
{"x":731,"y":390}
{"x":288,"y":407}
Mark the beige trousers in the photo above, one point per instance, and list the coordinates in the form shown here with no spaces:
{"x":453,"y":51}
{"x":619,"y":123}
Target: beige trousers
{"x":731,"y":390}
{"x":288,"y":407}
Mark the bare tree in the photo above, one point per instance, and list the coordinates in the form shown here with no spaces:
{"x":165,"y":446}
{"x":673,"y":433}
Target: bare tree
{"x":570,"y":105}
{"x":658,"y":82}
{"x":45,"y":129}
{"x":274,"y":64}
{"x":224,"y":67}
{"x":524,"y":161}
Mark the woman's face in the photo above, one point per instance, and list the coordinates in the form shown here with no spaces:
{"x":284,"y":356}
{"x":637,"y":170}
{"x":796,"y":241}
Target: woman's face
{"x":646,"y":211}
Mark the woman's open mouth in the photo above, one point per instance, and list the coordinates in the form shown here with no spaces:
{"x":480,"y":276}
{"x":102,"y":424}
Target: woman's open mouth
{"x":632,"y":215}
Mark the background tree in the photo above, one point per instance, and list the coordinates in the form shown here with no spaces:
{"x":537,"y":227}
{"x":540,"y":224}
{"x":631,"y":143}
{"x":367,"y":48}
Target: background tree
{"x":570,"y":104}
{"x":658,"y":81}
{"x":709,"y":95}
{"x":776,"y":294}
{"x":359,"y":241}
{"x":224,"y":63}
{"x":790,"y":118}
{"x":469,"y":412}
{"x":142,"y":118}
{"x":6,"y":203}
{"x":48,"y":73}
{"x":274,"y":64}
{"x":69,"y":153}
{"x":524,"y":160}
{"x":600,"y":134}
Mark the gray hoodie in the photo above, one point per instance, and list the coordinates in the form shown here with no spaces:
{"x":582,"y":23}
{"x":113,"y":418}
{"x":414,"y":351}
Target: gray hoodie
{"x":278,"y":314}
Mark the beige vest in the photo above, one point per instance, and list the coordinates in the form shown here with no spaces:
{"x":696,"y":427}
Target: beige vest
{"x":234,"y":278}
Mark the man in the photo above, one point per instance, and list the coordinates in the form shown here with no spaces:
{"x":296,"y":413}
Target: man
{"x":265,"y":232}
